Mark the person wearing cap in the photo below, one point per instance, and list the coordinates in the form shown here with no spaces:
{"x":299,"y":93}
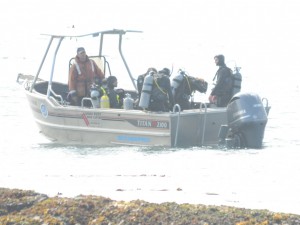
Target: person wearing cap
{"x":83,"y":73}
{"x":221,"y":93}
{"x":165,"y":71}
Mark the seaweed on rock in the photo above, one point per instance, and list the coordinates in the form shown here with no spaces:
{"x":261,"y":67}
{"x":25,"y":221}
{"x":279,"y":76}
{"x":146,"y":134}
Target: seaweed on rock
{"x":27,"y":207}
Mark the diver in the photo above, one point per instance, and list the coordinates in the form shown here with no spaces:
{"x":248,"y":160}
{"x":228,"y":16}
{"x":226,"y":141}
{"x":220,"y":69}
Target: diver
{"x":115,"y":96}
{"x":222,"y":92}
{"x":161,"y":96}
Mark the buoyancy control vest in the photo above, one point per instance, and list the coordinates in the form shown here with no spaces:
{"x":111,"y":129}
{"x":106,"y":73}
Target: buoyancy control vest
{"x":159,"y":89}
{"x":224,"y":82}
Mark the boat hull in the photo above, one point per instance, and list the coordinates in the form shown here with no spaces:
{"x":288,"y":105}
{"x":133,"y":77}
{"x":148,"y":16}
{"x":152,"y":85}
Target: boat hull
{"x":109,"y":127}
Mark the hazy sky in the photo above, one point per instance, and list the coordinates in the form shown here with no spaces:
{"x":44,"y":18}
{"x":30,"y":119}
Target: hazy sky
{"x":263,"y":31}
{"x":256,"y":17}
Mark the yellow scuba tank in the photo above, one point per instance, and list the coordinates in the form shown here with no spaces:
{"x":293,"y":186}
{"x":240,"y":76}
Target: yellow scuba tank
{"x":104,"y":101}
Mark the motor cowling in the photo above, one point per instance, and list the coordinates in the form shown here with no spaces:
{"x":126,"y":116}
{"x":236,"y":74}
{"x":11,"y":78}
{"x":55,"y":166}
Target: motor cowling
{"x":146,"y":91}
{"x":247,"y":119}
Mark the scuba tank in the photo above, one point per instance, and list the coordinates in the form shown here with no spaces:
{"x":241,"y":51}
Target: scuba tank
{"x":95,"y":96}
{"x":177,"y":81}
{"x":128,"y":102}
{"x":237,"y":81}
{"x":146,"y":91}
{"x":104,"y":101}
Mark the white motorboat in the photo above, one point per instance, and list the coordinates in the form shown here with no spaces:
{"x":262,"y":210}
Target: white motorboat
{"x":241,"y":124}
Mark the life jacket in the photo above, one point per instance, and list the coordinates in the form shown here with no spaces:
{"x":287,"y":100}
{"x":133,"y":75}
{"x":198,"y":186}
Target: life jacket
{"x":82,"y":83}
{"x":78,"y":68}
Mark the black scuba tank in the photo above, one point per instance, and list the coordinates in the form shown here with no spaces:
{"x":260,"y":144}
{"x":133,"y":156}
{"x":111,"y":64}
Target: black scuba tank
{"x":237,"y":81}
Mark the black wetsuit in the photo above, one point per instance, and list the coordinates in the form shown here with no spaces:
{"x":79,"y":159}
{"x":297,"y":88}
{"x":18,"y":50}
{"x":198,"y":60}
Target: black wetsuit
{"x":161,"y":97}
{"x":223,"y":86}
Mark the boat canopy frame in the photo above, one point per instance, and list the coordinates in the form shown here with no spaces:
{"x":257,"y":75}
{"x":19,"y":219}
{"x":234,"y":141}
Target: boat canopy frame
{"x":73,"y":34}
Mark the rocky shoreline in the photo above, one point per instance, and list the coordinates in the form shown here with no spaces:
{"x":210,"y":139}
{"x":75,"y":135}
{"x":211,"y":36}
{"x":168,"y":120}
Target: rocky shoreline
{"x":24,"y":207}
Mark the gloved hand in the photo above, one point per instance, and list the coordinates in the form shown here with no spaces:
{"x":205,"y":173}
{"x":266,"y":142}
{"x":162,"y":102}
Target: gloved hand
{"x":72,"y":97}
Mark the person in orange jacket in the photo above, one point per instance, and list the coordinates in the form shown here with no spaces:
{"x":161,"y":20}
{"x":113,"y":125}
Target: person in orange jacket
{"x":83,"y":73}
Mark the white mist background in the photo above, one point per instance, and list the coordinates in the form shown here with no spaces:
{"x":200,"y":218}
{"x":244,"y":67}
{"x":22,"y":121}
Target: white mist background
{"x":261,"y":36}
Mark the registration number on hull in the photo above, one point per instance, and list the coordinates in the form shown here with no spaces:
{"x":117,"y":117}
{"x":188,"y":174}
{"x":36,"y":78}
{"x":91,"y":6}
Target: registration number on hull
{"x":153,"y":124}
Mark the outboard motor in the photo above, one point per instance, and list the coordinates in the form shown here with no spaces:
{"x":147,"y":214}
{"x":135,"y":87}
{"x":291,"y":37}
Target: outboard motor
{"x":247,"y":119}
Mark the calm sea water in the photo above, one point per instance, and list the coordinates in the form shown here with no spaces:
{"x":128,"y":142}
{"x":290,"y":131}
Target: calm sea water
{"x":267,"y":178}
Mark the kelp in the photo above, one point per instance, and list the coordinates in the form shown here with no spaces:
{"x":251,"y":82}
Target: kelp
{"x":22,"y":207}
